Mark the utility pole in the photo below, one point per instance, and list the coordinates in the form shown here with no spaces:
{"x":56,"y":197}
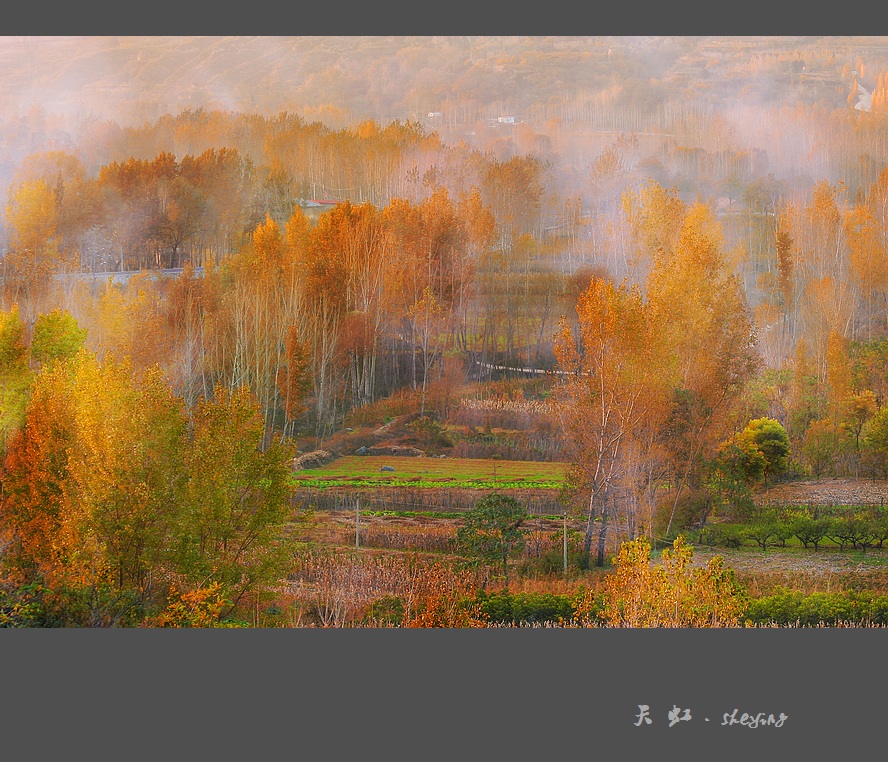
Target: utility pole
{"x":565,"y":544}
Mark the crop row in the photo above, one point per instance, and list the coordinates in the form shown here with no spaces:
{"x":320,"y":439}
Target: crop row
{"x":421,"y":483}
{"x":507,"y":404}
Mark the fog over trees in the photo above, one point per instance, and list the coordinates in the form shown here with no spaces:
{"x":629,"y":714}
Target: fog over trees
{"x":677,"y":235}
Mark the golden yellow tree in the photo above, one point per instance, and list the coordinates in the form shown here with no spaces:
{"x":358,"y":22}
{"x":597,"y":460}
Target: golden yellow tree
{"x":615,"y":394}
{"x":869,"y":261}
{"x":671,"y":593}
{"x":701,"y":308}
{"x":32,"y":218}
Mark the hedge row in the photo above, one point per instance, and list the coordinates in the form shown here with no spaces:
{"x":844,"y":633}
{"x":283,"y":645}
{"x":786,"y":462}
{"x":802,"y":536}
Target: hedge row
{"x":784,"y":608}
{"x":526,"y":608}
{"x":794,"y":608}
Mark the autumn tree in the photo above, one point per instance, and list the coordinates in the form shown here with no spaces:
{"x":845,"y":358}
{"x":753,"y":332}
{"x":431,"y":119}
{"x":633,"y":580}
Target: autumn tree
{"x":128,"y":320}
{"x":616,"y":392}
{"x":247,"y":309}
{"x":479,"y":233}
{"x":358,"y":235}
{"x":821,"y":446}
{"x":514,"y":190}
{"x":125,"y":475}
{"x":294,"y":378}
{"x":34,"y":476}
{"x":219,"y":206}
{"x":838,"y":376}
{"x":654,"y":216}
{"x":433,"y":279}
{"x":702,"y":310}
{"x":129,"y":205}
{"x":785,"y":270}
{"x":806,"y":401}
{"x":868,"y":261}
{"x":824,"y":299}
{"x":111,"y":500}
{"x":875,"y":440}
{"x":34,"y":252}
{"x":324,"y":277}
{"x":90,"y":485}
{"x":671,"y":592}
{"x":426,"y":317}
{"x":190,"y":306}
{"x":76,"y":198}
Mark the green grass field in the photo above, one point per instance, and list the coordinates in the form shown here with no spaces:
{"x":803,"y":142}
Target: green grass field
{"x":463,"y":473}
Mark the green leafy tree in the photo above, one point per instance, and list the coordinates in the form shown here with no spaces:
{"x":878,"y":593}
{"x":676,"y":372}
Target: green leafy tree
{"x":57,"y":336}
{"x":808,"y":528}
{"x":491,"y":531}
{"x":728,"y":477}
{"x":741,"y":459}
{"x":769,"y":528}
{"x":860,"y":408}
{"x":236,"y":498}
{"x":769,"y":438}
{"x":15,"y":375}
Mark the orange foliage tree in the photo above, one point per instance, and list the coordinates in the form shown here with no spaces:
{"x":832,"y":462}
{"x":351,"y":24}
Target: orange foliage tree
{"x":615,"y":395}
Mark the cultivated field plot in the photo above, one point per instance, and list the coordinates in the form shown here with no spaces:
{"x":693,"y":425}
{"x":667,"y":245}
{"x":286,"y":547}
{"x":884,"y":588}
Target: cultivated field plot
{"x":796,"y":561}
{"x":835,"y":491}
{"x":452,"y":473}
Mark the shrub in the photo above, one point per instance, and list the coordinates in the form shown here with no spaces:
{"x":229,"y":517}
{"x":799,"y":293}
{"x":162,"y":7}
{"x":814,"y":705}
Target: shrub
{"x":793,"y":607}
{"x":723,"y":535}
{"x":430,"y":434}
{"x":672,"y":593}
{"x":525,"y":608}
{"x":387,"y":611}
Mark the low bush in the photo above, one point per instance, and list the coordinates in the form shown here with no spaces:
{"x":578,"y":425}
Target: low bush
{"x":723,"y":535}
{"x":402,"y":402}
{"x":504,"y":607}
{"x":387,"y":611}
{"x":430,"y":434}
{"x":794,"y":608}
